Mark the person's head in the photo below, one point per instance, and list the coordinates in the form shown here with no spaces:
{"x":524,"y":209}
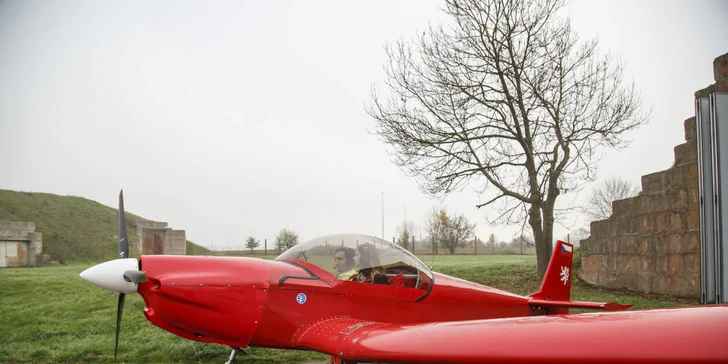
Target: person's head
{"x":344,"y":259}
{"x":366,"y":256}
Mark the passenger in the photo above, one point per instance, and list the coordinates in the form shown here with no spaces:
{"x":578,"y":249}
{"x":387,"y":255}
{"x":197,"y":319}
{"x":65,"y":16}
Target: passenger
{"x":370,"y":269}
{"x":344,"y":262}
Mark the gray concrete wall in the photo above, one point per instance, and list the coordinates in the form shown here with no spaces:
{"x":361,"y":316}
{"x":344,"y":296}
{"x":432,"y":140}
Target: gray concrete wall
{"x":175,"y":242}
{"x":35,"y":248}
{"x":28,"y":242}
{"x":16,"y":229}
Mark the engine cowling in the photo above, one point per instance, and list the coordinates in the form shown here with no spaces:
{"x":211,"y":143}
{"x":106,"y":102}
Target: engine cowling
{"x":206,"y":299}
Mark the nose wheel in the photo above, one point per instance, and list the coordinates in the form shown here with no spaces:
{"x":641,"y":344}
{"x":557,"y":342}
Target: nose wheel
{"x":235,"y":353}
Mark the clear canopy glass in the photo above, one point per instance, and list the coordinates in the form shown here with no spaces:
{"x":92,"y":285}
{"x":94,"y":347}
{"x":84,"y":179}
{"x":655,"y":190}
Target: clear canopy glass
{"x":392,"y":258}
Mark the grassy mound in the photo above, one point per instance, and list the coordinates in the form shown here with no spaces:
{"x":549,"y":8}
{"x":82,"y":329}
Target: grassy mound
{"x":74,"y":229}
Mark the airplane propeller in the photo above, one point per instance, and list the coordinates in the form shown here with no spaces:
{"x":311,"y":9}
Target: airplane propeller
{"x":123,"y":253}
{"x":120,"y":275}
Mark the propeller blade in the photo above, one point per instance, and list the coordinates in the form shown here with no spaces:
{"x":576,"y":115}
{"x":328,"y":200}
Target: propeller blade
{"x":123,"y":253}
{"x":119,"y":310}
{"x":123,"y":239}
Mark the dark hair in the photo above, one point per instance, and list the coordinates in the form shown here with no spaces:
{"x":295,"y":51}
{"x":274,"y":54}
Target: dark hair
{"x":369,"y":263}
{"x":348,"y":253}
{"x":369,"y":256}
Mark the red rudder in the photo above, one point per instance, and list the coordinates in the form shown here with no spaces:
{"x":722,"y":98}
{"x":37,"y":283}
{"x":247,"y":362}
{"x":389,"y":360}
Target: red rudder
{"x":556,"y":285}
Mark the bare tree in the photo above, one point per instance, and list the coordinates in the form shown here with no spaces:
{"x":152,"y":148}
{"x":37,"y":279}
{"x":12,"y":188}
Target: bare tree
{"x":575,"y":237}
{"x":286,"y":239}
{"x":251,"y":243}
{"x":492,"y":241}
{"x":505,"y":98}
{"x":613,"y":189}
{"x":434,"y":226}
{"x":521,"y":242}
{"x":450,"y":231}
{"x":406,"y":234}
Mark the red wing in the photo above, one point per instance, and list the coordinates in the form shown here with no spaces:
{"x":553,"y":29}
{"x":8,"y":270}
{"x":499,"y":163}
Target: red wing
{"x":334,"y":335}
{"x":684,"y":335}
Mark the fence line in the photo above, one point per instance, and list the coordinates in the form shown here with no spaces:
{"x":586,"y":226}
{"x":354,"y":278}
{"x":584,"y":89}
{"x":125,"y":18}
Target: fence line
{"x":241,"y":250}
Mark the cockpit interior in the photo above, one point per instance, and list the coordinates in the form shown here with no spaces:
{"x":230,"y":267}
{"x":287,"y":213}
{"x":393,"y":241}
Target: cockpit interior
{"x":346,"y":255}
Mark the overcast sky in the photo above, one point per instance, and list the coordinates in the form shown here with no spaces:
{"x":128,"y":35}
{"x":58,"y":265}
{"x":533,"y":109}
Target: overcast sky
{"x":235,"y":118}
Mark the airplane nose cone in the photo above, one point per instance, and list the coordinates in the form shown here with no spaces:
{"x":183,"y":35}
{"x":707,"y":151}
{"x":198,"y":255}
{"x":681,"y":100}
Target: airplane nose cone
{"x":110,"y":275}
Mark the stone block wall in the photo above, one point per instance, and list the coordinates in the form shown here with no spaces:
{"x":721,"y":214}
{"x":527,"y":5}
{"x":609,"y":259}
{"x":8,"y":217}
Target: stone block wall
{"x":720,"y":68}
{"x":651,"y":242}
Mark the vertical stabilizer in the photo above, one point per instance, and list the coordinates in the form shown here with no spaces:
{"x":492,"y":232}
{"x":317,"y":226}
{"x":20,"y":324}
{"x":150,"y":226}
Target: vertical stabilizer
{"x":556,"y":285}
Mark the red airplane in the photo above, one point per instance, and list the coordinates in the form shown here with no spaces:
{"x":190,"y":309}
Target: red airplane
{"x":394,"y":309}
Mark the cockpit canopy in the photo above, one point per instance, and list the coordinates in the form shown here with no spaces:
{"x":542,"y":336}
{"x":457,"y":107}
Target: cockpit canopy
{"x":391,"y":257}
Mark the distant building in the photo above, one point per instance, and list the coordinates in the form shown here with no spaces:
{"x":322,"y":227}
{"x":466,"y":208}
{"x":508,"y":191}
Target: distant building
{"x":155,"y":238}
{"x":20,"y":244}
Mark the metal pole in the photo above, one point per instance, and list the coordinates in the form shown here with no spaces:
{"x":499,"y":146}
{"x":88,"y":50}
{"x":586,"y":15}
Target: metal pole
{"x":382,"y":215}
{"x":405,"y":223}
{"x":521,"y":239}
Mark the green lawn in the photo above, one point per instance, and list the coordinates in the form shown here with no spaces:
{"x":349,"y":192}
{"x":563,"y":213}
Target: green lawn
{"x":50,"y":315}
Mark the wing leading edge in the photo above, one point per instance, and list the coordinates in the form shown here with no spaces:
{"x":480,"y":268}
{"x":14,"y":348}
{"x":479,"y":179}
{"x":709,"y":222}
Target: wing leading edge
{"x":674,"y":335}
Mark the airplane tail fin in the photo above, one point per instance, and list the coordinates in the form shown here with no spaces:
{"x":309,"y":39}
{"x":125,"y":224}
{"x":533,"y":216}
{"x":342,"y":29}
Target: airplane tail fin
{"x":556,"y":285}
{"x":555,"y":293}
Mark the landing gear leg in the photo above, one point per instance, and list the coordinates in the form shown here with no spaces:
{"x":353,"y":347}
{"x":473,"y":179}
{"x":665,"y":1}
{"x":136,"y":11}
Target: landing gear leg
{"x":235,"y":352}
{"x":336,"y":360}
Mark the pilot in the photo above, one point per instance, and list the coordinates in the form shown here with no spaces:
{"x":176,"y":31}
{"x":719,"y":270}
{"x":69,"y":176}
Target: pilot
{"x":344,"y":262}
{"x":370,"y":269}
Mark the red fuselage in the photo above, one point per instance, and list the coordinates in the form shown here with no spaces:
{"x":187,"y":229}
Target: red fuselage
{"x":244,"y":302}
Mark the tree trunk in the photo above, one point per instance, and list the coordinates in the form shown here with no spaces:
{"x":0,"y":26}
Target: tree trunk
{"x":539,"y":239}
{"x":548,"y":234}
{"x":548,"y":220}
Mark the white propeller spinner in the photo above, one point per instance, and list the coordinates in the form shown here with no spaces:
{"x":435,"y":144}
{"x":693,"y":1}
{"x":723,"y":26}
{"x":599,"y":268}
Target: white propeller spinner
{"x":110,"y":275}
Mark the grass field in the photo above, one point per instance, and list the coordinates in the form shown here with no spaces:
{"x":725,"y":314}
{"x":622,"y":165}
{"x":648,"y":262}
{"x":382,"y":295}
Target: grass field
{"x":51,"y":316}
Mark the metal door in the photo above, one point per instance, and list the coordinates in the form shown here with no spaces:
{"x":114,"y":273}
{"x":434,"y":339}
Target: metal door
{"x":153,"y":243}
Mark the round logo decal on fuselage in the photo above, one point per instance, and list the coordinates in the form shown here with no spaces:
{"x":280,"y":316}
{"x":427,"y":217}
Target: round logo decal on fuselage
{"x":301,"y":298}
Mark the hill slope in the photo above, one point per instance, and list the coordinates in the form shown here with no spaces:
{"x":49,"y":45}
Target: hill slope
{"x":73,"y":228}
